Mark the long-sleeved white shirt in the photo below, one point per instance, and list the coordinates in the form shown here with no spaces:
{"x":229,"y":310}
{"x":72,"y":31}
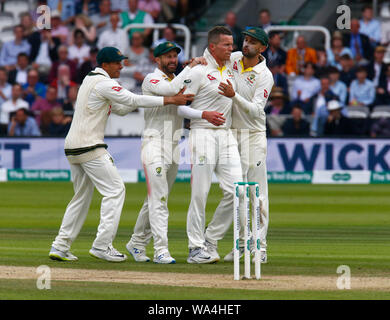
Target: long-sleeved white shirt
{"x":98,"y":96}
{"x":203,"y":81}
{"x":165,"y":122}
{"x":110,"y":38}
{"x":254,"y":86}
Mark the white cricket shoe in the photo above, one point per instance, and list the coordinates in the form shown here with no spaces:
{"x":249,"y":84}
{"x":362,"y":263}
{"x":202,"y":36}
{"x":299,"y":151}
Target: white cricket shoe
{"x":164,"y":258}
{"x":138,"y":254}
{"x":212,"y":250}
{"x":111,"y":254}
{"x":230,"y":256}
{"x":55,"y":254}
{"x":200,"y":255}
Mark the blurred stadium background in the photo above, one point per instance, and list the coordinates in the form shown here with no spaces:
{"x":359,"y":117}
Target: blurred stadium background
{"x":313,"y":62}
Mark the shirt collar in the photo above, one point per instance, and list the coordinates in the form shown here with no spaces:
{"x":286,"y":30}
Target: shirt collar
{"x":162,"y":73}
{"x":258,"y":68}
{"x":211,"y":60}
{"x":101,"y":71}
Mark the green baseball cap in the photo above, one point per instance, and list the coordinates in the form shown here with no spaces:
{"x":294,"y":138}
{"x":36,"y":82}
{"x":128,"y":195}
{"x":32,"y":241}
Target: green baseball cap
{"x":109,"y":54}
{"x":257,"y":33}
{"x":165,"y":47}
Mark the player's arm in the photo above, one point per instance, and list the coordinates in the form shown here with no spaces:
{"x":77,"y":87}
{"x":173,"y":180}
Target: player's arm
{"x":214,"y":117}
{"x":123,"y":101}
{"x":254,"y":107}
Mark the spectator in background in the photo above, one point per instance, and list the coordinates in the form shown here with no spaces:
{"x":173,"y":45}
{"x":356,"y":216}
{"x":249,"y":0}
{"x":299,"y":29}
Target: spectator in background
{"x":33,"y":88}
{"x":305,"y":87}
{"x":321,"y":116}
{"x":296,"y":126}
{"x":134,"y":15}
{"x":146,"y":66}
{"x":79,"y":51}
{"x":5,"y":93}
{"x":58,"y":30}
{"x":101,"y":20}
{"x":265,"y":18}
{"x":87,"y":7}
{"x":231,"y":24}
{"x":63,"y":58}
{"x":348,"y":70}
{"x":28,"y":25}
{"x":19,"y":74}
{"x":336,"y":124}
{"x":383,"y":90}
{"x":70,"y":102}
{"x":169,"y":34}
{"x":85,"y":24}
{"x":362,"y":90}
{"x":137,"y":51}
{"x":297,"y":57}
{"x":114,"y":36}
{"x":338,"y":87}
{"x":358,"y":43}
{"x":153,"y":7}
{"x":376,"y":67}
{"x":274,"y":54}
{"x":88,"y":65}
{"x":11,"y":49}
{"x":278,"y":105}
{"x":322,"y":65}
{"x":280,"y":80}
{"x":369,"y":26}
{"x":168,"y":9}
{"x":11,"y":105}
{"x":59,"y":124}
{"x":119,"y":5}
{"x":380,"y":128}
{"x":45,"y":104}
{"x":63,"y":82}
{"x":22,"y":125}
{"x":336,"y":51}
{"x":324,"y":95}
{"x":44,"y":52}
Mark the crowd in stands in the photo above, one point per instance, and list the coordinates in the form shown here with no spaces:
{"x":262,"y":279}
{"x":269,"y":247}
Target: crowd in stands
{"x":316,"y":91}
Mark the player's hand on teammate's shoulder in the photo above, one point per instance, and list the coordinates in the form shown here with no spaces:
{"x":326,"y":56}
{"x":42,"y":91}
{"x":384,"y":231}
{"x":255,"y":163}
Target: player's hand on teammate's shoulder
{"x":226,"y":89}
{"x":214,"y":117}
{"x":195,"y":61}
{"x":180,"y":98}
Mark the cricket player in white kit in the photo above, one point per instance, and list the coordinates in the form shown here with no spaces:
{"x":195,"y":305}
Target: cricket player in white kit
{"x":254,"y":82}
{"x":162,"y":132}
{"x":213,"y":149}
{"x":90,"y":164}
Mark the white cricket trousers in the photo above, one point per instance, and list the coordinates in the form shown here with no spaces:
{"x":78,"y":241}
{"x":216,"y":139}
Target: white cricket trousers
{"x":253,"y":152}
{"x":102,"y":174}
{"x":160,"y":174}
{"x":212,"y":150}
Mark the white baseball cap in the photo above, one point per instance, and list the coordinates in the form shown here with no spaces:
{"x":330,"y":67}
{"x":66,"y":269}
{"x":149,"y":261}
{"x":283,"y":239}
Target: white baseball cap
{"x":334,"y":105}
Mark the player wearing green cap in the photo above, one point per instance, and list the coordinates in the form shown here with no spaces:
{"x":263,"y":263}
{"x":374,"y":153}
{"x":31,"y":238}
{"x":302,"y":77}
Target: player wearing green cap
{"x":162,"y":132}
{"x":254,"y":83}
{"x":90,"y":164}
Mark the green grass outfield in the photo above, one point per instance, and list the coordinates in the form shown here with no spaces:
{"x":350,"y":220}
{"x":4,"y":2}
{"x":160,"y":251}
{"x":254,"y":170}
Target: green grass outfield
{"x":313,"y":229}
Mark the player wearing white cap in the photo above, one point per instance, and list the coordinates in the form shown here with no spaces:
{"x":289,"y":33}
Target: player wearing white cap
{"x":213,"y":149}
{"x":254,"y":83}
{"x":90,"y":164}
{"x":162,"y":132}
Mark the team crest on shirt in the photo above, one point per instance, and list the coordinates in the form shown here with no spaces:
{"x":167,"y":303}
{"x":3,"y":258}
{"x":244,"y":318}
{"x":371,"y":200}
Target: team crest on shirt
{"x":250,"y":79}
{"x":158,"y":171}
{"x":230,"y":74}
{"x":202,"y":160}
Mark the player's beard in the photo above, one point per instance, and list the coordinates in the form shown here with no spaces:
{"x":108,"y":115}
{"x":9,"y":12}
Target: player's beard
{"x":249,"y":52}
{"x":170,"y":68}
